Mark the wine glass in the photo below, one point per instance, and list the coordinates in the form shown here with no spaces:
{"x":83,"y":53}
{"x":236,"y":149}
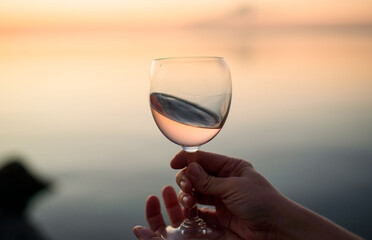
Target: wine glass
{"x":190,"y":100}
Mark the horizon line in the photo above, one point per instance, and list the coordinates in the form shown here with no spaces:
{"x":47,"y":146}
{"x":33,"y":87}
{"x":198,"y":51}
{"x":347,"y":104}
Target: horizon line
{"x":91,"y":28}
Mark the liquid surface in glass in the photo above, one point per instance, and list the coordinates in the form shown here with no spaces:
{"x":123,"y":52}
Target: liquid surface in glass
{"x":183,"y":122}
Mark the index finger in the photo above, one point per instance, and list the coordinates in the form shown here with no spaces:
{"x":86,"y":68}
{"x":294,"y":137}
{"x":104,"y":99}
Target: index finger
{"x":153,"y":214}
{"x":172,"y":205}
{"x":212,"y":163}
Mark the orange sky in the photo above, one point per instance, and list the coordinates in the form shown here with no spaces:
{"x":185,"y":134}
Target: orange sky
{"x":72,"y":13}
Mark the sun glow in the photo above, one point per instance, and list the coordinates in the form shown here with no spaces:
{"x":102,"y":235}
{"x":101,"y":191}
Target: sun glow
{"x":21,"y":14}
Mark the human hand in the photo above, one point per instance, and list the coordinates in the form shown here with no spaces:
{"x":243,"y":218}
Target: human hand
{"x":238,"y":211}
{"x":247,"y":205}
{"x":245,"y":202}
{"x":155,"y":218}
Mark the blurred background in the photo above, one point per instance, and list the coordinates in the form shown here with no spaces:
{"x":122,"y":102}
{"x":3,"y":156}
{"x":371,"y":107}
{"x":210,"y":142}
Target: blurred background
{"x":74,"y":108}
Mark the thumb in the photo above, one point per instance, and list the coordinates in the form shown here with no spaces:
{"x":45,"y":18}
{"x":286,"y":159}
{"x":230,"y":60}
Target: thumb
{"x":143,"y":233}
{"x":205,"y":183}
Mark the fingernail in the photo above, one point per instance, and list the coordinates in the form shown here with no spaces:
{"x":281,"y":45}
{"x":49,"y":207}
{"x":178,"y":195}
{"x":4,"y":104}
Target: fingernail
{"x":137,"y":231}
{"x":185,"y":200}
{"x":194,"y":170}
{"x":182,"y":184}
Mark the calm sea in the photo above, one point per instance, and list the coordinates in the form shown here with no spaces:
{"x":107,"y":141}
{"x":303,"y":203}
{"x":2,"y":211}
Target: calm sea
{"x":75,"y":105}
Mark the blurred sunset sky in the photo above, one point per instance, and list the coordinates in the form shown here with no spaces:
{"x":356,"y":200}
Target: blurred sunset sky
{"x":99,"y":14}
{"x":74,"y":101}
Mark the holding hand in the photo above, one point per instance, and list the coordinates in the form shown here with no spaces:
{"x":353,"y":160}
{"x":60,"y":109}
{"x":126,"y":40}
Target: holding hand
{"x":247,"y":206}
{"x":244,"y":200}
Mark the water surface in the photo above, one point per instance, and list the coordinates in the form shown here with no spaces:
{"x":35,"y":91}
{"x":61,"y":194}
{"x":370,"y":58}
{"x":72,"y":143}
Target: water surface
{"x":76,"y":106}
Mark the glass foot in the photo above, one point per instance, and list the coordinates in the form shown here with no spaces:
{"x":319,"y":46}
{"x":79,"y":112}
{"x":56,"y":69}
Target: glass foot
{"x":208,"y":232}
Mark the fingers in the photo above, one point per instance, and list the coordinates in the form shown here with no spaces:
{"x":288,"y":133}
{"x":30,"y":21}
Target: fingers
{"x":209,"y":216}
{"x":207,"y":184}
{"x":143,"y":233}
{"x":214,"y":164}
{"x":153,"y":214}
{"x":172,"y":206}
{"x":211,"y":161}
{"x":187,"y":192}
{"x":187,"y":200}
{"x":179,"y":161}
{"x":183,"y":182}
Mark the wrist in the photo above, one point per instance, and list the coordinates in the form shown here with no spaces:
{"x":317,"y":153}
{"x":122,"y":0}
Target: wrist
{"x":296,"y":222}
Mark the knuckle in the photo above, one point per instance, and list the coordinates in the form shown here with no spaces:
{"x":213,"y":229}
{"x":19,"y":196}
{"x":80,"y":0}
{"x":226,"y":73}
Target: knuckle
{"x":245,"y":164}
{"x":243,"y":168}
{"x":235,"y":167}
{"x":206,"y":184}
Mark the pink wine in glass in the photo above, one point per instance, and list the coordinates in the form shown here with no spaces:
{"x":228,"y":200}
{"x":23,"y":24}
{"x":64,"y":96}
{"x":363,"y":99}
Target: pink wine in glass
{"x":183,"y":122}
{"x":190,"y":99}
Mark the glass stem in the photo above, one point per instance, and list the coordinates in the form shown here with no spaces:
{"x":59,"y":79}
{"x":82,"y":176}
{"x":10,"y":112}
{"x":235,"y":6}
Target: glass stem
{"x":192,"y":212}
{"x":192,"y":223}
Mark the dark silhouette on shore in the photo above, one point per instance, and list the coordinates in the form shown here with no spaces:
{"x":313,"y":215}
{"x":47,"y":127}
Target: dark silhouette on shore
{"x":18,"y":187}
